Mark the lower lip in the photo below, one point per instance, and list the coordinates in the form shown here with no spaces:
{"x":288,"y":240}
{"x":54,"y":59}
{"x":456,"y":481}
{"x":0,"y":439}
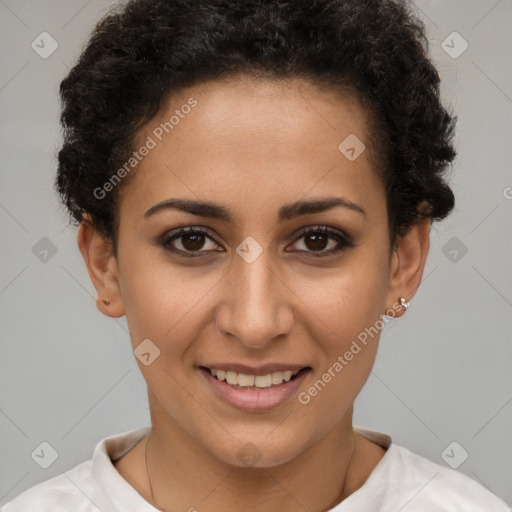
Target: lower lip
{"x":264,"y":399}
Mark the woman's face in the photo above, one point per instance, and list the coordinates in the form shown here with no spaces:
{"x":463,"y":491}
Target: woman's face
{"x":255,"y":295}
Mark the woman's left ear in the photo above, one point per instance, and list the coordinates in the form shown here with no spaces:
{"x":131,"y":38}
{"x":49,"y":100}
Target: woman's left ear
{"x":407,"y":264}
{"x":102,"y":268}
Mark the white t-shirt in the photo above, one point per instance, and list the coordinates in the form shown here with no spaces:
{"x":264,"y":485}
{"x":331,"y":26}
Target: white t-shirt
{"x":401,"y":481}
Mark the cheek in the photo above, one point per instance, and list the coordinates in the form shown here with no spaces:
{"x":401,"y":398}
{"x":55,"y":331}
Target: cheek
{"x":346,"y":301}
{"x":349,"y":303}
{"x":350,"y":310}
{"x":163,"y":301}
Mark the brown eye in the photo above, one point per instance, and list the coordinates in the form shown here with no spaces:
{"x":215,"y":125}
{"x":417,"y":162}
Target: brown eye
{"x":316,"y":240}
{"x":192,"y":241}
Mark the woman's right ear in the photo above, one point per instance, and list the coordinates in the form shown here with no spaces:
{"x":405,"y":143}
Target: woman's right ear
{"x":102,"y":268}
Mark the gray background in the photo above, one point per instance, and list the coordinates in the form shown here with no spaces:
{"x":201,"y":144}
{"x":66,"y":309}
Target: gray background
{"x":68,"y":376}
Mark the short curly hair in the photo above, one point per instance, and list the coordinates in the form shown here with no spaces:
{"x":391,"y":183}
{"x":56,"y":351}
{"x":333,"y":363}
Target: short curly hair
{"x":142,"y":52}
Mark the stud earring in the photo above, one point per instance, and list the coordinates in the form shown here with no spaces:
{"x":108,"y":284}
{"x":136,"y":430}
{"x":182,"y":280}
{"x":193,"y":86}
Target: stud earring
{"x":404,"y":303}
{"x":107,"y":302}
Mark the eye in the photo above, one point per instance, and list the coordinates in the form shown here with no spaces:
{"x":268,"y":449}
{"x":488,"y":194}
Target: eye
{"x":192,"y":240}
{"x":189,"y":241}
{"x":316,"y":240}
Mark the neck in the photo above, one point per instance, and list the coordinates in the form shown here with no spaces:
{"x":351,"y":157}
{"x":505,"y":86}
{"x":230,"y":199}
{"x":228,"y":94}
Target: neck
{"x":184,"y":476}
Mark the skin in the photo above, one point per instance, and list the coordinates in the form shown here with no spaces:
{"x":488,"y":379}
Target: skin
{"x":253,"y":146}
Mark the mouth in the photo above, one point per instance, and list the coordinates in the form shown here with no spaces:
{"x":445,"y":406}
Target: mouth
{"x":255,"y":390}
{"x":251,"y":381}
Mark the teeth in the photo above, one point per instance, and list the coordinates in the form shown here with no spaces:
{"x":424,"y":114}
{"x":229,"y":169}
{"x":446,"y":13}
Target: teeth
{"x":276,"y":378}
{"x":263,"y":381}
{"x":231,"y":378}
{"x":260,"y":381}
{"x":246,"y":380}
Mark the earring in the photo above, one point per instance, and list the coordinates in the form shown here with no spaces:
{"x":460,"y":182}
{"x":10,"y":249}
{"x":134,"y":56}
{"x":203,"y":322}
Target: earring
{"x":107,"y":302}
{"x":404,"y":303}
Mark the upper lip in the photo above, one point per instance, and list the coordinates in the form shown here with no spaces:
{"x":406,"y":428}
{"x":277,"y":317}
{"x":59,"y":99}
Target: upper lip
{"x":255,"y":370}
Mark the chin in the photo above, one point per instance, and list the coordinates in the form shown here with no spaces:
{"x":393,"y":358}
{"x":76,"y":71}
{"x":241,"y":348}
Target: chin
{"x":258,"y":450}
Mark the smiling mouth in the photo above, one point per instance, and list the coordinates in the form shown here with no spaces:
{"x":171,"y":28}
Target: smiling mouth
{"x":254,"y":382}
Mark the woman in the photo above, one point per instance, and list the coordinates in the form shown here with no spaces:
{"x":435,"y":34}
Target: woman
{"x":255,"y":183}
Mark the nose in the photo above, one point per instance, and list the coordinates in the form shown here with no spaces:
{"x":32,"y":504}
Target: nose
{"x":256,"y":303}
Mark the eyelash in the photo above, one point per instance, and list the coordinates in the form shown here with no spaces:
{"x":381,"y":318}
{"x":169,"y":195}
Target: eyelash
{"x":166,"y":240}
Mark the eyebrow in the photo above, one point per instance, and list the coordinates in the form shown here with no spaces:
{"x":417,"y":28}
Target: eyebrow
{"x":287,"y":212}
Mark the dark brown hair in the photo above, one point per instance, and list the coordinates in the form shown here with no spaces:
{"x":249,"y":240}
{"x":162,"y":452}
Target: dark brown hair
{"x":143,"y":51}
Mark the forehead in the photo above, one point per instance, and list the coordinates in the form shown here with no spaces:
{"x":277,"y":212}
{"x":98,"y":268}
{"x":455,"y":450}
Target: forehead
{"x":244,"y":139}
